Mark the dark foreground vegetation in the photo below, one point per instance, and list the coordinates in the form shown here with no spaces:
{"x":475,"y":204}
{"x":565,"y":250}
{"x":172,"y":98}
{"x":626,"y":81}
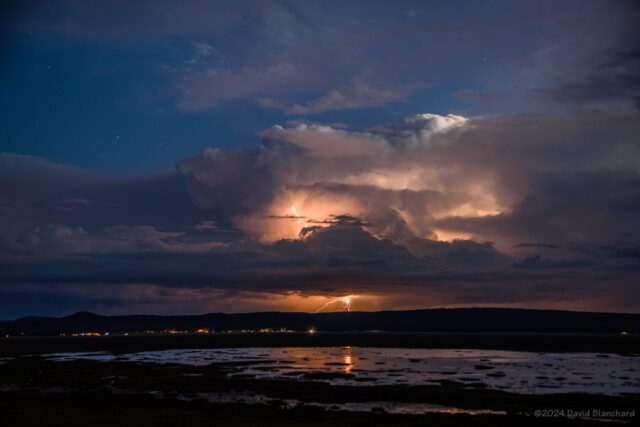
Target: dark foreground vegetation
{"x":36,"y":391}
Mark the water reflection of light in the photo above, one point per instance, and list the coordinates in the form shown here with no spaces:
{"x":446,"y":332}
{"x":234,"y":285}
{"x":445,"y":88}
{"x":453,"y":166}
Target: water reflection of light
{"x":347,"y":360}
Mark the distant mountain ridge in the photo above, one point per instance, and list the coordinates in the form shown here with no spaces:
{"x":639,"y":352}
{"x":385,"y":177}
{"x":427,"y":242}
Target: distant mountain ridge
{"x":429,"y":320}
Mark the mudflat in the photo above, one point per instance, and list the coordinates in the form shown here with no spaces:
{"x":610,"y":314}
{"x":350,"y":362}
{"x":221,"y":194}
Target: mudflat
{"x":276,"y":385}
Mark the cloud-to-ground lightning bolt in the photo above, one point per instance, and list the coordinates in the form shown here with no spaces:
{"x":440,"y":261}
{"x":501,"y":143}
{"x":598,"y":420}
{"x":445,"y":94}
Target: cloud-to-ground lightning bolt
{"x":345,"y":300}
{"x":347,"y":303}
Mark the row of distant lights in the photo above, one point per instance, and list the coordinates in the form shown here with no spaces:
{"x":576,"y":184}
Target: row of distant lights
{"x":175,"y":331}
{"x":181,"y":332}
{"x":310,"y":331}
{"x":168,"y":331}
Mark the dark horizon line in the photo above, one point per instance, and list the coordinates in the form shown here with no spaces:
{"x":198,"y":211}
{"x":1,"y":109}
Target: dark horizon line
{"x":486,"y":308}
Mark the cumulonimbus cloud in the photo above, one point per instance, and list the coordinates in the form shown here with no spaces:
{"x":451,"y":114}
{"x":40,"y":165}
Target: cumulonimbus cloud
{"x":425,"y":177}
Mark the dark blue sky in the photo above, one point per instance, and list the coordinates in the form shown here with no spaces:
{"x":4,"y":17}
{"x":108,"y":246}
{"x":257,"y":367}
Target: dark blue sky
{"x":212,"y":155}
{"x":129,"y":88}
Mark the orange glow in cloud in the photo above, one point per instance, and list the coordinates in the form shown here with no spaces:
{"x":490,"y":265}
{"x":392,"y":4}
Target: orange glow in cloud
{"x":297,"y":215}
{"x":372,"y":190}
{"x":450,"y":236}
{"x":293,"y":210}
{"x":398,"y":182}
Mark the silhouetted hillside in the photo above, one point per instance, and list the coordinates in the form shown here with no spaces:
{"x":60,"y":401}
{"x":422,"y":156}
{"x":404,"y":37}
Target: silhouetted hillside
{"x":435,"y":320}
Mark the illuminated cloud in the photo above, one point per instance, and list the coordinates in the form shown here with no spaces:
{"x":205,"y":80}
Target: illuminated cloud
{"x":425,"y":177}
{"x":431,"y":177}
{"x":419,"y":128}
{"x":399,"y":178}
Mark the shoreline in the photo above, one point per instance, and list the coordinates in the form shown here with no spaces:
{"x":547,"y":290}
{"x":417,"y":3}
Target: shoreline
{"x":531,"y":342}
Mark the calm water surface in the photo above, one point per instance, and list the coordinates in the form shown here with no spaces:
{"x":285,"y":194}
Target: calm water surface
{"x":517,"y":372}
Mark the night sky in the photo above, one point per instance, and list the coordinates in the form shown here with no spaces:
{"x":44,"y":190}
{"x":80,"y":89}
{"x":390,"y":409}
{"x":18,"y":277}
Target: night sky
{"x":182,"y":157}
